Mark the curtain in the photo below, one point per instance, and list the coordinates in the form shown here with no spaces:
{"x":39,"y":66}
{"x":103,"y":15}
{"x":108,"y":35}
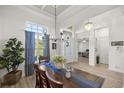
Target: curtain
{"x":29,"y":52}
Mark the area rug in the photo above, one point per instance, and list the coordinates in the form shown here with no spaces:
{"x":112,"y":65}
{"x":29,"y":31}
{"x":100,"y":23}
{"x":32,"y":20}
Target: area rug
{"x":86,"y":80}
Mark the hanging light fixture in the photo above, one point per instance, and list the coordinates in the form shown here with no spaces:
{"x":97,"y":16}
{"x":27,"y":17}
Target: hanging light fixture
{"x":55,"y":20}
{"x":61,"y":32}
{"x":53,"y":38}
{"x":88,"y":26}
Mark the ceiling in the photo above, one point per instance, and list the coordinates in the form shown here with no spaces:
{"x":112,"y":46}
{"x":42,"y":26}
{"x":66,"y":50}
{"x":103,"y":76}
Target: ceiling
{"x":50,"y":9}
{"x":73,"y":13}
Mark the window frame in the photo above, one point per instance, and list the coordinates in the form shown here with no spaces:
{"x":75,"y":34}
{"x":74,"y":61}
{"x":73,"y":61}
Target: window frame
{"x":38,"y":31}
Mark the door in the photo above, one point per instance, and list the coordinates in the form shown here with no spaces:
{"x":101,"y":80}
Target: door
{"x":68,"y":46}
{"x":102,"y":37}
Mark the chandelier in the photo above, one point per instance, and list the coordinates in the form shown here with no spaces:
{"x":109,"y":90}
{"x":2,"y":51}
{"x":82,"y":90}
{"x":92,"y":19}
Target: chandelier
{"x":88,"y":26}
{"x":53,"y":38}
{"x":61,"y":32}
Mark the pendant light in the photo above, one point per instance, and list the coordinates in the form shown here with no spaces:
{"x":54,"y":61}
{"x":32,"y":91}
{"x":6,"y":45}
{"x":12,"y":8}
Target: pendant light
{"x":61,"y":32}
{"x":88,"y":26}
{"x":53,"y":38}
{"x":55,"y":20}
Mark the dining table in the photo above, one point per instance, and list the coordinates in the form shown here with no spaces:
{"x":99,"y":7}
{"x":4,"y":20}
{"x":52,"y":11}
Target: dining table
{"x":78,"y":78}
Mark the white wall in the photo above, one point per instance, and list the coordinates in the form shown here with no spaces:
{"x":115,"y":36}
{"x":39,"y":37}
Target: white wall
{"x":83,"y":46}
{"x":12,"y":24}
{"x":114,"y":20}
{"x":76,"y":16}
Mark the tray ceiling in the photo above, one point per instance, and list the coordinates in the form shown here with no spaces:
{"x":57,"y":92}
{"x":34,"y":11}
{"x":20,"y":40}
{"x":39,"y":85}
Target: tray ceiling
{"x":51,"y":8}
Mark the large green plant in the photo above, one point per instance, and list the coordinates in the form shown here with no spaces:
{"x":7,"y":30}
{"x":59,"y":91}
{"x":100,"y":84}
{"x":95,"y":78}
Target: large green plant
{"x":12,"y":55}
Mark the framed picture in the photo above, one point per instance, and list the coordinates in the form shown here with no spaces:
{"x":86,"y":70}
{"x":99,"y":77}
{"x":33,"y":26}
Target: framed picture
{"x":53,"y":46}
{"x":117,"y":43}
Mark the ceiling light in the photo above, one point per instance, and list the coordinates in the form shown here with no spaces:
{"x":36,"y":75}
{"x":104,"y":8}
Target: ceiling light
{"x":52,"y":37}
{"x":84,"y":41}
{"x":61,"y":31}
{"x":88,"y":26}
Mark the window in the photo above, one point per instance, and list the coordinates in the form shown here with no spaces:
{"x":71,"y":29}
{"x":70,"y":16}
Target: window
{"x":35,"y":28}
{"x":39,"y":33}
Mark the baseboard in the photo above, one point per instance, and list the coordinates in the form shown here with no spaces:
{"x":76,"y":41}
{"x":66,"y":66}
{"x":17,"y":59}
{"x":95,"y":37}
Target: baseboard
{"x":116,"y":70}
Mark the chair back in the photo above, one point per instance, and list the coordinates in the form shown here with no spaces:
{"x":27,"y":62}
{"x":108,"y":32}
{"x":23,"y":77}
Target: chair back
{"x":43,"y":79}
{"x":37,"y":84}
{"x":42,"y":59}
{"x":53,"y":83}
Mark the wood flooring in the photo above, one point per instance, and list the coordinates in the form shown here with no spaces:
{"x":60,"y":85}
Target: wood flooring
{"x":112,"y":79}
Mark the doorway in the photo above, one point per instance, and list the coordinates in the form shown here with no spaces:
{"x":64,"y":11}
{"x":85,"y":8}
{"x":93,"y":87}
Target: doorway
{"x":67,"y":45}
{"x":102,"y":45}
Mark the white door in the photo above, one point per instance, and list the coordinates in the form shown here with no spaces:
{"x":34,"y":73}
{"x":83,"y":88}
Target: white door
{"x":68,"y":46}
{"x":103,"y":44}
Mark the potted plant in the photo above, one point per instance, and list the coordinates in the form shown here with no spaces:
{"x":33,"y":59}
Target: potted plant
{"x":59,"y":61}
{"x":11,"y":59}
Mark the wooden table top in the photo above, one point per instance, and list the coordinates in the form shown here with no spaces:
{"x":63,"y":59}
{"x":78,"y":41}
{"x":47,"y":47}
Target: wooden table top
{"x":67,"y":83}
{"x":71,"y":83}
